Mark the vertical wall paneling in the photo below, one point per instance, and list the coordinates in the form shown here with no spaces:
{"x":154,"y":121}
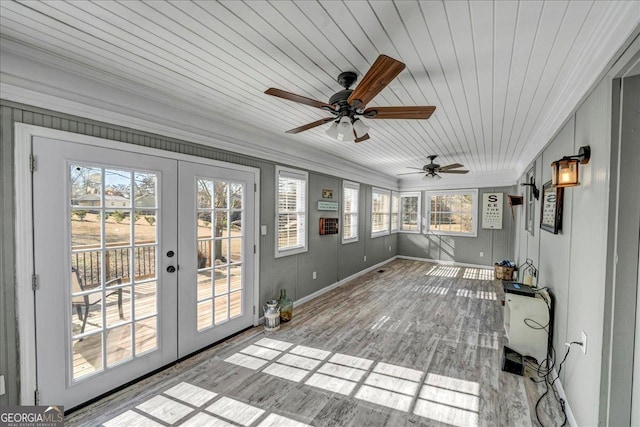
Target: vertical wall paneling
{"x":8,"y":338}
{"x":585,"y":309}
{"x":554,"y":257}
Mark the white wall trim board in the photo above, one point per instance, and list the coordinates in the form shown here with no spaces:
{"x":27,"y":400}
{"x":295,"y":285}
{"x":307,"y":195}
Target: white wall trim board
{"x":444,"y":262}
{"x":341,"y":282}
{"x":20,"y":79}
{"x":24,"y":265}
{"x":571,"y":419}
{"x":24,"y":233}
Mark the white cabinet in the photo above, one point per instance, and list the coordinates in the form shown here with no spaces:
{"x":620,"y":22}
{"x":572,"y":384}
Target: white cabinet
{"x":524,"y":319}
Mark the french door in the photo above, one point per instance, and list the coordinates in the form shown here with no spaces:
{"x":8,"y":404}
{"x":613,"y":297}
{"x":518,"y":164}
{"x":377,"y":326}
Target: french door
{"x":141,"y":260}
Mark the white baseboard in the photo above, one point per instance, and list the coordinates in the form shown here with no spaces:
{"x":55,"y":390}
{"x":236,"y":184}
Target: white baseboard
{"x":333,"y":286}
{"x":571,"y":420}
{"x":437,"y":261}
{"x":340,"y":283}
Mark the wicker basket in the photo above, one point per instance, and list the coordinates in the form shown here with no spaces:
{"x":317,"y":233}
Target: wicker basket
{"x":504,"y":273}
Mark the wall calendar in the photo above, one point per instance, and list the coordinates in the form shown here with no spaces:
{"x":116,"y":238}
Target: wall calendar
{"x":492,"y":211}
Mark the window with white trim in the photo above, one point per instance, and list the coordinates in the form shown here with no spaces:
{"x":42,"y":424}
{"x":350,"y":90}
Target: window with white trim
{"x":452,"y":212}
{"x":380,"y":212}
{"x":395,"y":211}
{"x":350,"y":202}
{"x":291,"y":211}
{"x":410,"y":212}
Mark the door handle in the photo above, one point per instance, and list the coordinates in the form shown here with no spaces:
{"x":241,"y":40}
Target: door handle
{"x":171,"y":269}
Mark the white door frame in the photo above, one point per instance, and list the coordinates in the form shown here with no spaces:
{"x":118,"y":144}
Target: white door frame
{"x":24,"y":233}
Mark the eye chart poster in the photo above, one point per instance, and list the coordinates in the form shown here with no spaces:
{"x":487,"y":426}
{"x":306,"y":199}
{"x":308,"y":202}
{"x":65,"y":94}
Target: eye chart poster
{"x":492,"y":211}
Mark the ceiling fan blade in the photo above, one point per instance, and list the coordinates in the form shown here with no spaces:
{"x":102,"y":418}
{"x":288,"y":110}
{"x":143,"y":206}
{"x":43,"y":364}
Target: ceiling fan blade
{"x":311,"y":125}
{"x":451,"y":166}
{"x":454,"y":171}
{"x":410,"y":173}
{"x":297,"y":98}
{"x":383,"y":70}
{"x":399,"y":112}
{"x":362,"y":138}
{"x":418,"y":169}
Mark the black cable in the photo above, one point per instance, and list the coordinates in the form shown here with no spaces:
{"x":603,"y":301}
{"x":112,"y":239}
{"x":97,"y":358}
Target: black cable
{"x":549,"y":383}
{"x":537,"y":324}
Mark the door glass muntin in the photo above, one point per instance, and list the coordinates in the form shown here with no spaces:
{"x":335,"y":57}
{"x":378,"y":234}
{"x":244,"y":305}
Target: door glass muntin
{"x":114,"y":246}
{"x":220,"y":224}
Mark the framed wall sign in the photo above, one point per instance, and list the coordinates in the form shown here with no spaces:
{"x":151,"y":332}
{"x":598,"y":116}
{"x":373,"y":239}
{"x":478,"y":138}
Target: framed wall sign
{"x":551,"y":211}
{"x":492,"y":210}
{"x":327,"y":206}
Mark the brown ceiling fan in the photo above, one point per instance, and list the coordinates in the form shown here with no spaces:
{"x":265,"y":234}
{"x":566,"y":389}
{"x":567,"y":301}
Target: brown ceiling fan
{"x":347,"y":105}
{"x":432,"y":170}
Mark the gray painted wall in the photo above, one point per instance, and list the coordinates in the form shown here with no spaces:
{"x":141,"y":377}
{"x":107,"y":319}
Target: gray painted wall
{"x":495,"y":244}
{"x":326,"y":255}
{"x":573,"y":263}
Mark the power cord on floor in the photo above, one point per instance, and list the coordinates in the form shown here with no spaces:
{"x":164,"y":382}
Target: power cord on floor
{"x":549,"y":383}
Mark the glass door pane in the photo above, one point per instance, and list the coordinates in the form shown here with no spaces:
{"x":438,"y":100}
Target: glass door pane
{"x":114,"y":247}
{"x":219,"y":239}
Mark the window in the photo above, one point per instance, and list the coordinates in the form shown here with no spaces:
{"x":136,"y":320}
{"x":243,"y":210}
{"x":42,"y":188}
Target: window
{"x":530,"y":207}
{"x":350,"y":201}
{"x":291,"y":211}
{"x":395,"y":212}
{"x":410,"y":212}
{"x":452,"y":212}
{"x":380,"y":212}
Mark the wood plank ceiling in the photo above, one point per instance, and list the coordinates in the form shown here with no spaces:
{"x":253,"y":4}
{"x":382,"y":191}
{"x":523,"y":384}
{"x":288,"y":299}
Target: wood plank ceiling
{"x":500,"y":73}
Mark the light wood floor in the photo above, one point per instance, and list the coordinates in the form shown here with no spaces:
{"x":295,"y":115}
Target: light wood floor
{"x":442,"y":323}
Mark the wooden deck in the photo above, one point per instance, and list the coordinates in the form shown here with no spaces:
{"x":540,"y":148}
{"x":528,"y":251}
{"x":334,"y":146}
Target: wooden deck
{"x":216,"y":305}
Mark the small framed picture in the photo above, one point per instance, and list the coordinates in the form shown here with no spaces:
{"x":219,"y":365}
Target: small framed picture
{"x":551,"y":215}
{"x":327,"y":194}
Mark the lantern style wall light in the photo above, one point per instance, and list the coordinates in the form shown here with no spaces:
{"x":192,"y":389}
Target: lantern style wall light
{"x":564,"y":172}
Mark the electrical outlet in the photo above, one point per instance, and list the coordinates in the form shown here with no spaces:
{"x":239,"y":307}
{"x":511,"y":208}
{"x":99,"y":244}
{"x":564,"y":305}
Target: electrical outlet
{"x":2,"y":389}
{"x":365,"y":258}
{"x":314,"y":276}
{"x":481,"y":254}
{"x":584,"y":342}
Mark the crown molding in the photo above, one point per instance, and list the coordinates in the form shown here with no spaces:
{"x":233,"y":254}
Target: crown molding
{"x":45,"y":83}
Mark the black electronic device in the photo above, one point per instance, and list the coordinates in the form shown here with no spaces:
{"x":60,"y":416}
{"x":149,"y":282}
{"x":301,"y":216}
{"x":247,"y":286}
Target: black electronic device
{"x":518,"y":288}
{"x":512,"y":361}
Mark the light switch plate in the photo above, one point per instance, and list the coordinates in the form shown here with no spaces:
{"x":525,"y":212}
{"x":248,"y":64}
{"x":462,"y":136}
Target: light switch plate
{"x":263,"y":230}
{"x":2,"y":389}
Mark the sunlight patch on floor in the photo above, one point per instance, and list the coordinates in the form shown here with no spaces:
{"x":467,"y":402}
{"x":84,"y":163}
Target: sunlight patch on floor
{"x":478,"y":273}
{"x":477,"y":294}
{"x":449,"y":400}
{"x":192,"y":406}
{"x":443,"y":271}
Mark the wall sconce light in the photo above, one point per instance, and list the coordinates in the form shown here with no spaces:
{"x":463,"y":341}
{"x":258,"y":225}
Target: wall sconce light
{"x":564,"y":172}
{"x":532,"y":183}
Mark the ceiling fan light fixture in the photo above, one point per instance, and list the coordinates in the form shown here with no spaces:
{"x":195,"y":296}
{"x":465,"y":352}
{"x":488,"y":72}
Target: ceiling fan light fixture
{"x":345,"y":130}
{"x":360,"y":127}
{"x":333,"y":130}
